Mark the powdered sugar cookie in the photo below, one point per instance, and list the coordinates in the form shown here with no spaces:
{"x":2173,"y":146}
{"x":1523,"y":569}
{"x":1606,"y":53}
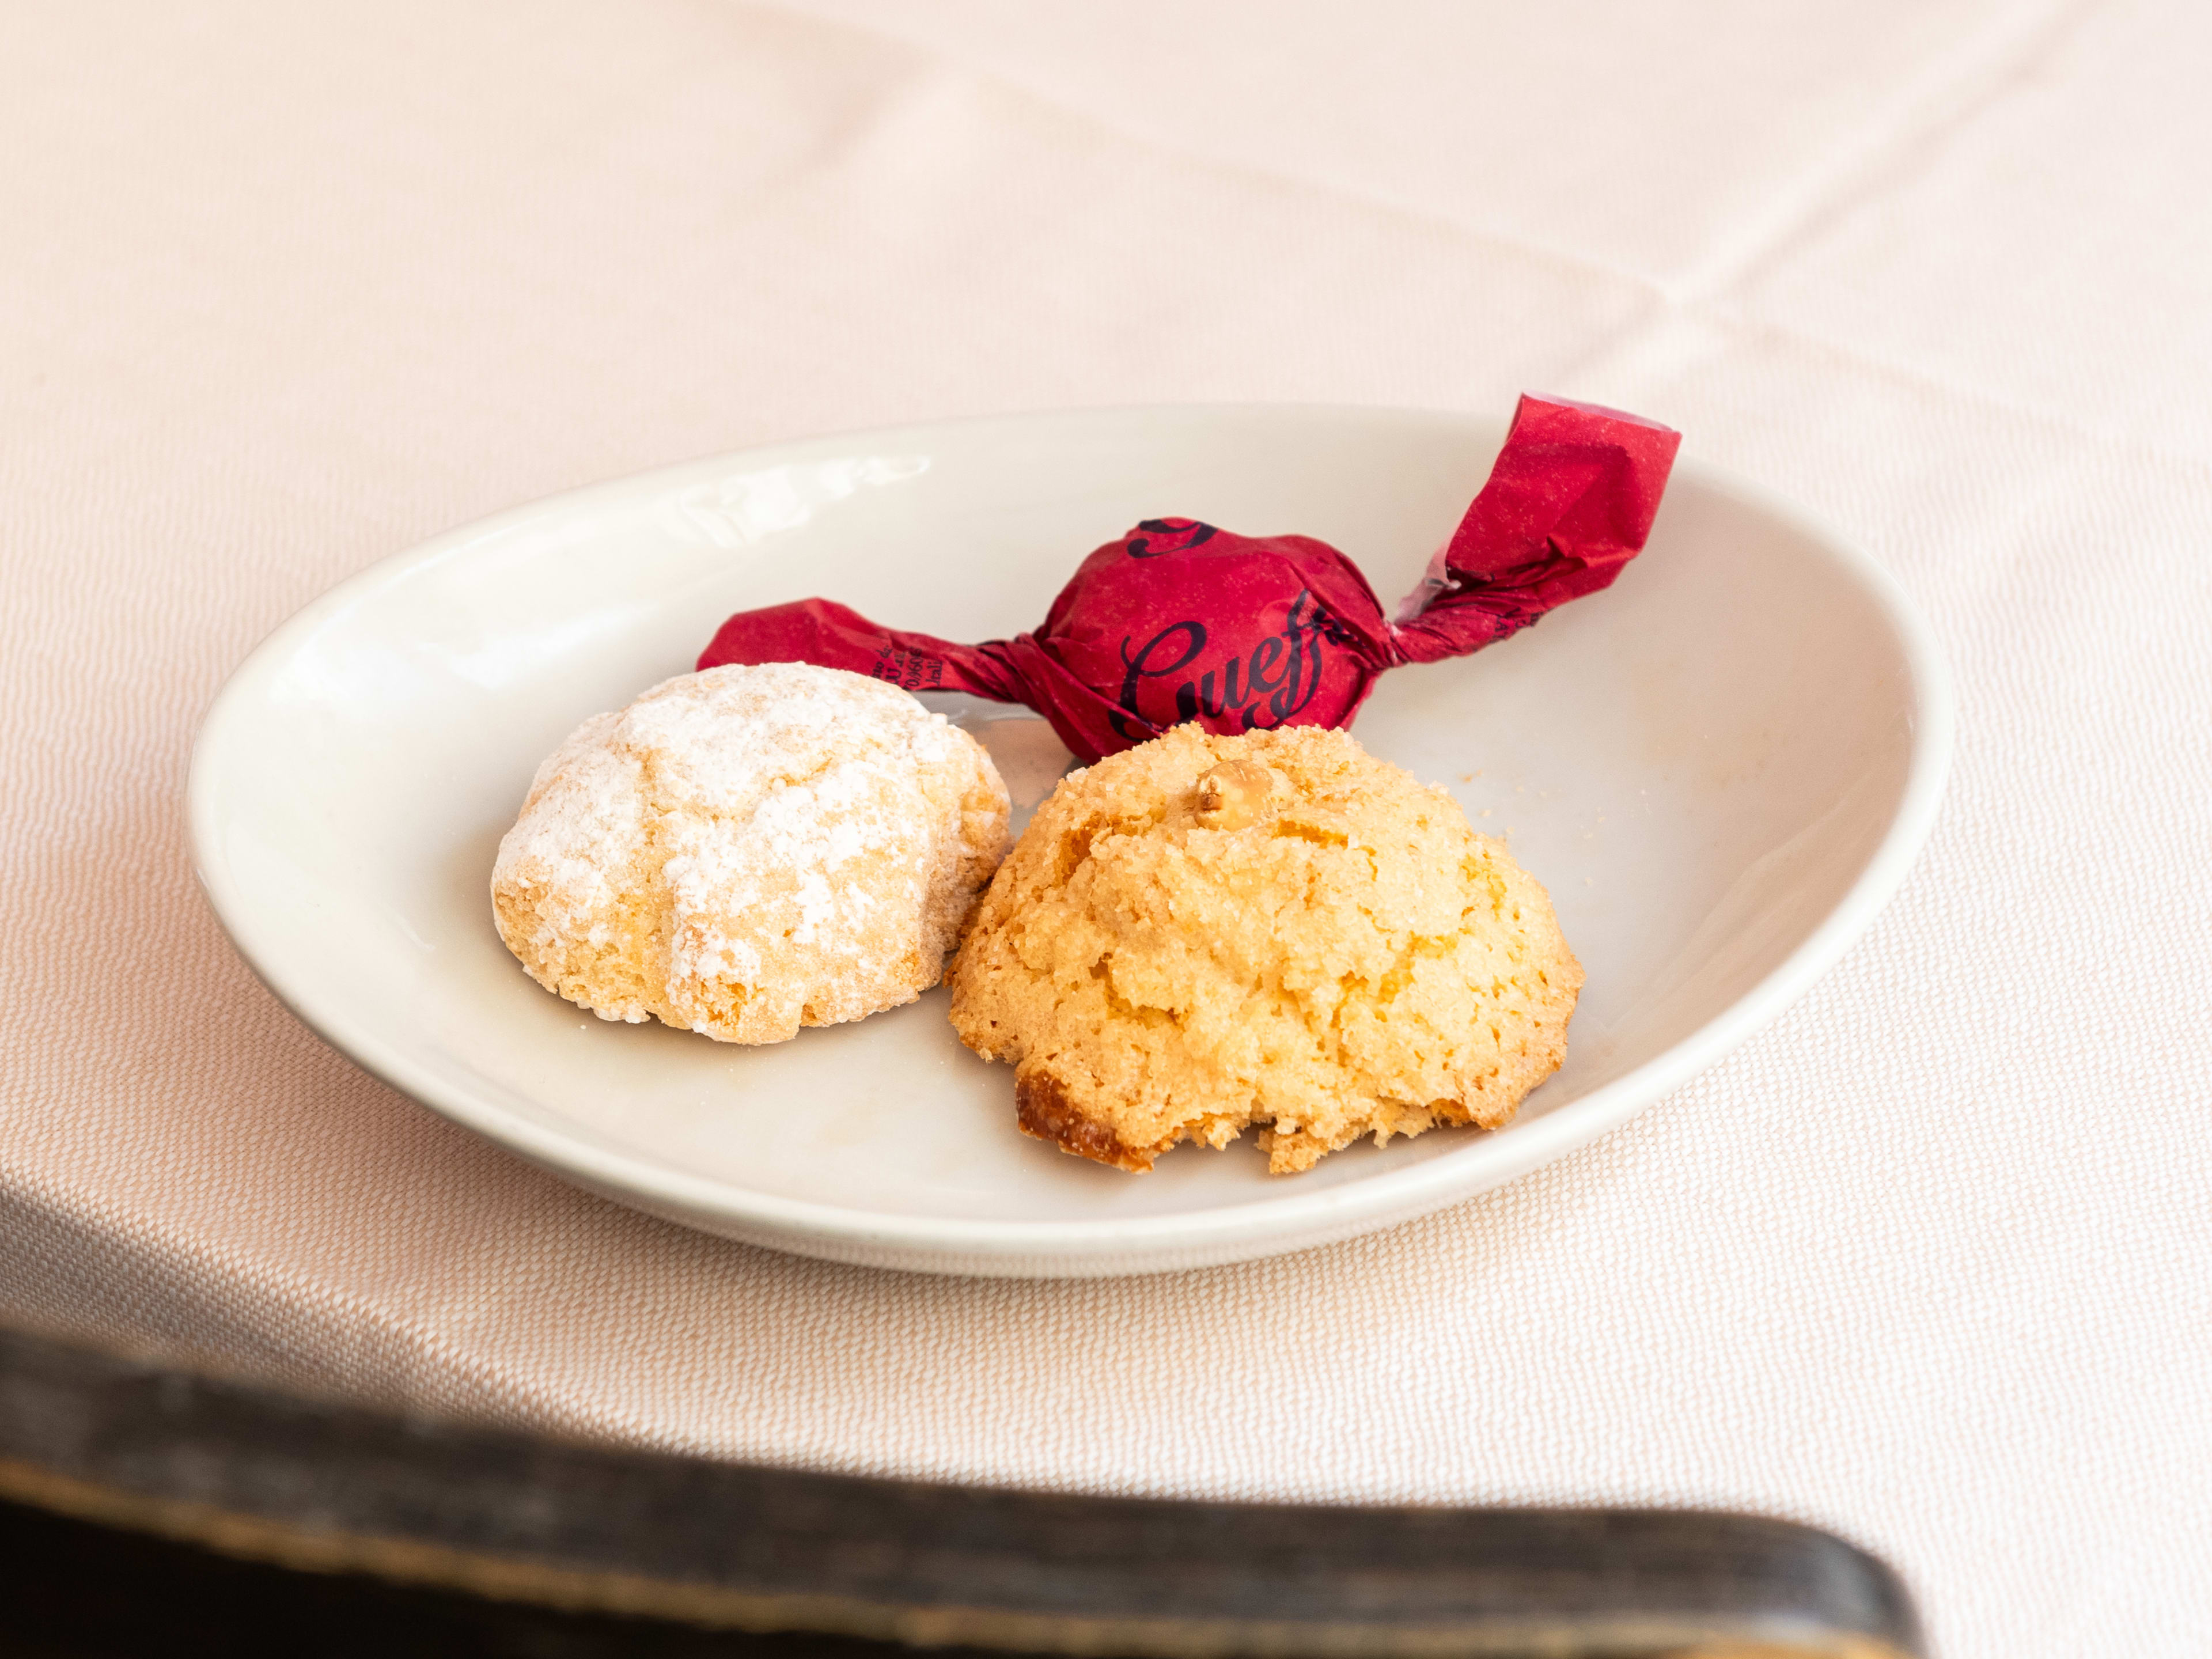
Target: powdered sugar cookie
{"x":748,"y":850}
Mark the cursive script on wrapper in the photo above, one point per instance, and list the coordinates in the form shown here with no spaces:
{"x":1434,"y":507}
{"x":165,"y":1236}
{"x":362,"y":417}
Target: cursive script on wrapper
{"x":1180,"y":621}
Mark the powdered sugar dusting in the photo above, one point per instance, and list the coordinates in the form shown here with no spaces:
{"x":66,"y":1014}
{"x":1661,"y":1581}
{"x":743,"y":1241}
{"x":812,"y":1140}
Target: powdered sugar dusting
{"x":749,"y":849}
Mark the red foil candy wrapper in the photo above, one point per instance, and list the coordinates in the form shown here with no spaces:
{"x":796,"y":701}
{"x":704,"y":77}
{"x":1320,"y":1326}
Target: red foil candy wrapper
{"x":1181,"y":621}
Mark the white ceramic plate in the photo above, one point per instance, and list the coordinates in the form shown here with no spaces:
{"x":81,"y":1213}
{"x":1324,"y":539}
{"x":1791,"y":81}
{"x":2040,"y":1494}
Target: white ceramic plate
{"x":1721,"y":768}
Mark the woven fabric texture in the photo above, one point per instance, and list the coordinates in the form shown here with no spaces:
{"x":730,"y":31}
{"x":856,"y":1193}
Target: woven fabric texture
{"x":1930,"y":1262}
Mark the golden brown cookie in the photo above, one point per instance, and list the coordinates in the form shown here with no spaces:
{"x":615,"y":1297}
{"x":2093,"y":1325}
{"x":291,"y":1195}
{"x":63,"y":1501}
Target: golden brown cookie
{"x":748,"y":850}
{"x":1204,"y":933}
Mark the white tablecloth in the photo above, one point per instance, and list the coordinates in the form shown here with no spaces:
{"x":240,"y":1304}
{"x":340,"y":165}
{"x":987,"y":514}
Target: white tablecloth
{"x":285,"y":288}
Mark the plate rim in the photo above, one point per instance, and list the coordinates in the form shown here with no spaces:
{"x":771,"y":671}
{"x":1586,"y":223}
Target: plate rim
{"x":1219,"y":1234}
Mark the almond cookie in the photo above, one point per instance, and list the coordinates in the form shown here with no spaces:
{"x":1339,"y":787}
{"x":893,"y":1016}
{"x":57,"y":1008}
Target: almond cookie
{"x":1205,"y":933}
{"x":748,"y":850}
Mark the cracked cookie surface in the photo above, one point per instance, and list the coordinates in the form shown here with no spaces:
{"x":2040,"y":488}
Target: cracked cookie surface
{"x":748,"y":850}
{"x":1203,"y":934}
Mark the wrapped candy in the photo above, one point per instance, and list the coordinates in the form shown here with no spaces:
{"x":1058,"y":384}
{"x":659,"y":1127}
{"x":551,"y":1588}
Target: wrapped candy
{"x":1181,"y":621}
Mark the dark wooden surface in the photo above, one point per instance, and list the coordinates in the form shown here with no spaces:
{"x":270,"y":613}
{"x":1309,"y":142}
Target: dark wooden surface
{"x":633,"y":1547}
{"x":70,"y":1589}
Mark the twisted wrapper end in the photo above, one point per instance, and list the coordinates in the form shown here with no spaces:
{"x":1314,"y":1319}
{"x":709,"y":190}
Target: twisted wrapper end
{"x":834,"y":635}
{"x":1569,"y":503}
